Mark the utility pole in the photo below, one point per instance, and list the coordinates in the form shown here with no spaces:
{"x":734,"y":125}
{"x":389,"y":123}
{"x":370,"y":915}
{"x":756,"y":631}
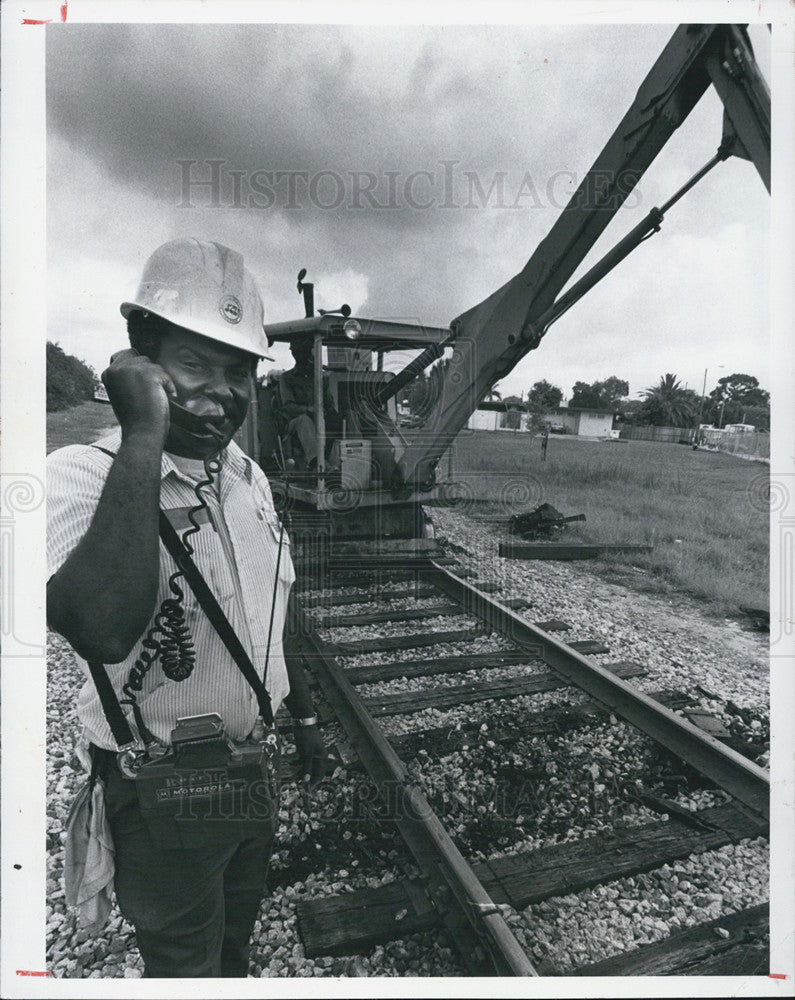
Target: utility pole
{"x":700,"y":409}
{"x":703,"y":394}
{"x":701,"y":404}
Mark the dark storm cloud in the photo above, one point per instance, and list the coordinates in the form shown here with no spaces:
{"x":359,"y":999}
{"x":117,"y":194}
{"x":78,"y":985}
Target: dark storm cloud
{"x":140,"y":98}
{"x":515,"y":114}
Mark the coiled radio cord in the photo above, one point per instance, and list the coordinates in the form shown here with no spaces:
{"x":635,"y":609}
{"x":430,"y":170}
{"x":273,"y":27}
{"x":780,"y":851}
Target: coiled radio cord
{"x":169,"y":637}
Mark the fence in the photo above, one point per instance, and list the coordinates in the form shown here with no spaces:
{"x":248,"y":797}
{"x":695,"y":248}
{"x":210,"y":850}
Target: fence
{"x":672,"y":434}
{"x":752,"y":444}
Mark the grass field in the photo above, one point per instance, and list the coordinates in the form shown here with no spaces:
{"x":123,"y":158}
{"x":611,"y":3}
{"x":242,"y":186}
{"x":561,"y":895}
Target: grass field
{"x":705,"y":513}
{"x":78,"y":425}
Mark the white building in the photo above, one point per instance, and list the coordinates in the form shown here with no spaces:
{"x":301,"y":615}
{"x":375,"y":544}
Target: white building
{"x":484,"y":420}
{"x":491,"y":416}
{"x":583,"y":423}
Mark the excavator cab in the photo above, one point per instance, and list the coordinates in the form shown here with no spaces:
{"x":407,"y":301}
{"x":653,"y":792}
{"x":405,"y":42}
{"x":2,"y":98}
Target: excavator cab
{"x":359,"y":367}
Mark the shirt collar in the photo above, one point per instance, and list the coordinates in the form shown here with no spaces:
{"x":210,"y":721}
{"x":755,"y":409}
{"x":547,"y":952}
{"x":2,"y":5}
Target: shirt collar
{"x":233,"y":459}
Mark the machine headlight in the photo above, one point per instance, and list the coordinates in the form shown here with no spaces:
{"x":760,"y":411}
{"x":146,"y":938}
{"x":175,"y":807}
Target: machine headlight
{"x":352,"y":329}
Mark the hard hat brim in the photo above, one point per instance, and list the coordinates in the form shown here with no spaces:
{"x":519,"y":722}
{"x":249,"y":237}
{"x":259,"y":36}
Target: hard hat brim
{"x":127,"y":307}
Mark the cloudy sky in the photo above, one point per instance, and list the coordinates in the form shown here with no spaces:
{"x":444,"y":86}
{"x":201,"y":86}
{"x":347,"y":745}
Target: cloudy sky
{"x":411,"y":170}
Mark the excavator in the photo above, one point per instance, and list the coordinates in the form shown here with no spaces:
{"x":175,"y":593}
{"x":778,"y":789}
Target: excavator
{"x":375,"y":468}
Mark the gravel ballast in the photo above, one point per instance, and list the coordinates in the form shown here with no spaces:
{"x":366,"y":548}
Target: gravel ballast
{"x":680,"y":645}
{"x":571,"y":778}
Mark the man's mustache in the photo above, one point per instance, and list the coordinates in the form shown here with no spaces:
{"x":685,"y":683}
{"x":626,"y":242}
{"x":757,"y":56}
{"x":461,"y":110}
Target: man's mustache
{"x":215,"y":423}
{"x":233,"y":412}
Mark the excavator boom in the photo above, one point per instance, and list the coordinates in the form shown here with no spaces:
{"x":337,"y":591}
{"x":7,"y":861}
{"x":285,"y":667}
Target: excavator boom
{"x":492,"y":337}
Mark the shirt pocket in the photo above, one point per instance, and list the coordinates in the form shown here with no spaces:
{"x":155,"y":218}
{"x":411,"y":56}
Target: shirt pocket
{"x":211,"y":559}
{"x":274,"y":528}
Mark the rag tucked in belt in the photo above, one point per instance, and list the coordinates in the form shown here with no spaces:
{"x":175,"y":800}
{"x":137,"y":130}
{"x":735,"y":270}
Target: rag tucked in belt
{"x":89,"y":856}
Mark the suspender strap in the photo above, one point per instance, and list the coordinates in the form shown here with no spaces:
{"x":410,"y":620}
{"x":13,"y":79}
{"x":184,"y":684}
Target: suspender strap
{"x":215,"y":613}
{"x":110,"y":706}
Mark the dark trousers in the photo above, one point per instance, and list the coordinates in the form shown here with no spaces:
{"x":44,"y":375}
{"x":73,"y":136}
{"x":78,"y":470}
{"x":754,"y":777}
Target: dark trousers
{"x":193,"y":910}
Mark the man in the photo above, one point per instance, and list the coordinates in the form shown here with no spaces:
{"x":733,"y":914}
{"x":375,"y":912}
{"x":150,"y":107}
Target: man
{"x":196,"y":332}
{"x":296,"y":402}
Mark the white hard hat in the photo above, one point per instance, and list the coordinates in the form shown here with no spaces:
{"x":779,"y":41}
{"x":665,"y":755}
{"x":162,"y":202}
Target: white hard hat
{"x":203,"y":287}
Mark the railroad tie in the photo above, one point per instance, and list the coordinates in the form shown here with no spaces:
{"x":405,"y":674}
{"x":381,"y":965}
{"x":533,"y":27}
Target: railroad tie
{"x":553,"y":625}
{"x":557,"y":720}
{"x":334,"y":619}
{"x":405,"y":702}
{"x":731,"y":945}
{"x":563,"y":550}
{"x":589,"y":647}
{"x":435,"y":665}
{"x":411,"y":641}
{"x":357,"y":921}
{"x":329,"y":601}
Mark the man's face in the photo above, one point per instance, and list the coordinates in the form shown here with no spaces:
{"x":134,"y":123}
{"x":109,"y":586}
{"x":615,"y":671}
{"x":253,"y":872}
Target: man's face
{"x":213,"y":381}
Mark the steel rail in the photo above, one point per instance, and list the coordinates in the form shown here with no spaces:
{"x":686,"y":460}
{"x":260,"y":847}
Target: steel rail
{"x":474,"y":922}
{"x":743,"y":779}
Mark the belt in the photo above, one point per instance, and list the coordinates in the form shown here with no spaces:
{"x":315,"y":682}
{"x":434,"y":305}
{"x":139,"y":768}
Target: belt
{"x":104,"y":760}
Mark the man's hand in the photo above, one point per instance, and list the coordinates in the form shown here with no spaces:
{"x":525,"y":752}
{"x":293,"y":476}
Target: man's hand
{"x":104,"y":594}
{"x":314,"y":759}
{"x":138,"y":390}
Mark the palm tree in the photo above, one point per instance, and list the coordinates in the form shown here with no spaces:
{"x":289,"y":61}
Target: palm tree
{"x":493,"y":393}
{"x":668,"y":403}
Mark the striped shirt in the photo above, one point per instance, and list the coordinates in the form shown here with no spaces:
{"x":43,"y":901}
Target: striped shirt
{"x":236,"y":550}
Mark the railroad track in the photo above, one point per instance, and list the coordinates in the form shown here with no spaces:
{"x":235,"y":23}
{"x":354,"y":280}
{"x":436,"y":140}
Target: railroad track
{"x":419,"y":603}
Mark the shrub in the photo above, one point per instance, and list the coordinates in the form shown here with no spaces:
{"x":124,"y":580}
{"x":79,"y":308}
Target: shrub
{"x":69,"y":380}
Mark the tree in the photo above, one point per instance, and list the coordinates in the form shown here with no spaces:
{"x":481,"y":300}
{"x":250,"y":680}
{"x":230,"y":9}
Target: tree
{"x":69,"y":380}
{"x":493,"y":393}
{"x":735,"y":395}
{"x":630,"y":411}
{"x":418,"y":393}
{"x":605,"y":395}
{"x":421,"y":394}
{"x":613,"y":391}
{"x":759,"y":416}
{"x":667,"y":404}
{"x":543,"y":398}
{"x":584,"y":396}
{"x":513,"y":416}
